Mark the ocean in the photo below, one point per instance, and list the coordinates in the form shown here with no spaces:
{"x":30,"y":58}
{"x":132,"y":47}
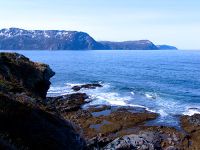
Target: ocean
{"x":165,"y":82}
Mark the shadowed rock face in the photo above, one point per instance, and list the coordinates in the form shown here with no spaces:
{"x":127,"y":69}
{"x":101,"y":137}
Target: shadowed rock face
{"x":18,"y":74}
{"x":24,"y":126}
{"x":25,"y":122}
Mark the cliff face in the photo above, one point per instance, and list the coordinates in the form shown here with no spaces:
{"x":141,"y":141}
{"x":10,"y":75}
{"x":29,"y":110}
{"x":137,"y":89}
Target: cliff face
{"x":25,"y":124}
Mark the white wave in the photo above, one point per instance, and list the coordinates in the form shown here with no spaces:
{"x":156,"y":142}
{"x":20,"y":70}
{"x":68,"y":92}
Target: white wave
{"x":192,"y":111}
{"x":162,"y":113}
{"x":58,"y":90}
{"x":132,"y":93}
{"x":150,"y":95}
{"x":73,"y":84}
{"x":140,"y":106}
{"x":99,"y":95}
{"x":110,"y":98}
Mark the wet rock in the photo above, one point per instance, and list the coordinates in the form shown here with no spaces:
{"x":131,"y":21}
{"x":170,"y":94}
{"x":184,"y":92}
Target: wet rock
{"x":66,"y":103}
{"x":98,"y":108}
{"x":86,"y":86}
{"x":98,"y":130}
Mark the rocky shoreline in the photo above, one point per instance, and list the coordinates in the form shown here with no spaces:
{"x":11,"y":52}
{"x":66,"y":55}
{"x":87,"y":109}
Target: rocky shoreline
{"x":30,"y":120}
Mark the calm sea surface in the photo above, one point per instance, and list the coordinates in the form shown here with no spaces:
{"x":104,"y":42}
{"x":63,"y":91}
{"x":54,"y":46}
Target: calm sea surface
{"x":166,"y":82}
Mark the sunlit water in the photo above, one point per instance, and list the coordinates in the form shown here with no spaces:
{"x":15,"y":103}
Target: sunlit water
{"x":166,"y":82}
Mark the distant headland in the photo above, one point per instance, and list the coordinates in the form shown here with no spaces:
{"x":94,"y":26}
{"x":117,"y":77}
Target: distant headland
{"x":20,"y":39}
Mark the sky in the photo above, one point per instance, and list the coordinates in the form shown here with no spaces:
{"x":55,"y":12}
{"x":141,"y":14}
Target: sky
{"x":173,"y":22}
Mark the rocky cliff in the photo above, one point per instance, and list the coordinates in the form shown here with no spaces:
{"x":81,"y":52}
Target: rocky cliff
{"x":25,"y":124}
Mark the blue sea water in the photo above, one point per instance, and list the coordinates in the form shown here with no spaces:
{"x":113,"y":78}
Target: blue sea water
{"x":166,"y":82}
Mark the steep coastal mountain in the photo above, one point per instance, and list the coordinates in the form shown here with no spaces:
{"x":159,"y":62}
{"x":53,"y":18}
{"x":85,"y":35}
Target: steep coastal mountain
{"x":15,"y":39}
{"x":130,"y":45}
{"x":20,"y":39}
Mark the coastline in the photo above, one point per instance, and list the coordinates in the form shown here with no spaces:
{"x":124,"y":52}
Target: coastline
{"x":95,"y":127}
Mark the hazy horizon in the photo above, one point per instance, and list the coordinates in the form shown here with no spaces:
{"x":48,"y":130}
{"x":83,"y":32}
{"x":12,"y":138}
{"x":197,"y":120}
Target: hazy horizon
{"x":162,"y":22}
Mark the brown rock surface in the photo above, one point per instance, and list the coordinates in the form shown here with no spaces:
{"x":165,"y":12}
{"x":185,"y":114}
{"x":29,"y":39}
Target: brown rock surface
{"x":191,"y":124}
{"x":101,"y":125}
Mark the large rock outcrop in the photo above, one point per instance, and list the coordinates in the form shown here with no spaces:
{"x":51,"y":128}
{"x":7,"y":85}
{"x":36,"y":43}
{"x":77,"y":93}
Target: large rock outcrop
{"x":18,"y":74}
{"x":25,"y":122}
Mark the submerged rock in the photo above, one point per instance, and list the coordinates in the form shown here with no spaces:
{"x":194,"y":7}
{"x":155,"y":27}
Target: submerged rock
{"x":86,"y":86}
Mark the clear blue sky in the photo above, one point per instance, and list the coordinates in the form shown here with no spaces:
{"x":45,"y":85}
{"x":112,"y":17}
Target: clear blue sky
{"x":175,"y":22}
